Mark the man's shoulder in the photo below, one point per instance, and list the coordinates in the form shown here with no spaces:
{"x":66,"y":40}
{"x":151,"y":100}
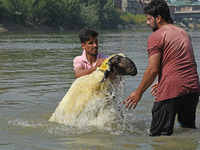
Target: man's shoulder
{"x":103,"y":56}
{"x":78,"y":58}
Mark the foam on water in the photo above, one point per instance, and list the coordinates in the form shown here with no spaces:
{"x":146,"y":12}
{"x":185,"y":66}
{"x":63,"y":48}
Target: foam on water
{"x":24,"y":123}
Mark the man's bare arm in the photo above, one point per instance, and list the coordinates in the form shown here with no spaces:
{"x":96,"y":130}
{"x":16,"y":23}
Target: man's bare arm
{"x":81,"y":72}
{"x":148,"y":78}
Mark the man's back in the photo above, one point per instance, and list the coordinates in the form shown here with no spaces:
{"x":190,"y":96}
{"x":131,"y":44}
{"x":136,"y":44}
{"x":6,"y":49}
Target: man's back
{"x":178,"y":73}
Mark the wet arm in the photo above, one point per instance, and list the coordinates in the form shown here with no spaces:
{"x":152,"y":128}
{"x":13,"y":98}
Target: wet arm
{"x":148,"y":78}
{"x":150,"y":73}
{"x":81,"y":72}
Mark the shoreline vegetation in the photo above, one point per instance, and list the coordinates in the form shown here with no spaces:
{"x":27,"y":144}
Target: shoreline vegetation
{"x":49,"y":15}
{"x":64,"y":15}
{"x":6,"y":26}
{"x":12,"y":26}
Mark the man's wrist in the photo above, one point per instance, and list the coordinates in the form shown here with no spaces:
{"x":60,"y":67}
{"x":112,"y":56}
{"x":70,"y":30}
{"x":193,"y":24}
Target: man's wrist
{"x":139,"y":92}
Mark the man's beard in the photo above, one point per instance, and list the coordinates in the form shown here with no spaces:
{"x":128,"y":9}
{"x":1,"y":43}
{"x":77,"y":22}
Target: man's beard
{"x":155,"y":27}
{"x":92,"y":54}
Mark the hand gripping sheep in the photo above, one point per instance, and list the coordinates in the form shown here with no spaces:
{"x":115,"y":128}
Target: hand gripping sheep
{"x":83,"y":89}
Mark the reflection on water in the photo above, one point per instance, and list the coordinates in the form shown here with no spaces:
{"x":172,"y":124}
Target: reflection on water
{"x":35,"y":73}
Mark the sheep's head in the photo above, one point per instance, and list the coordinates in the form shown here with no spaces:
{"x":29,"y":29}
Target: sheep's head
{"x":118,"y":64}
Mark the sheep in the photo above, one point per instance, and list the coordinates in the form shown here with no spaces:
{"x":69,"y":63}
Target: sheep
{"x":95,"y":85}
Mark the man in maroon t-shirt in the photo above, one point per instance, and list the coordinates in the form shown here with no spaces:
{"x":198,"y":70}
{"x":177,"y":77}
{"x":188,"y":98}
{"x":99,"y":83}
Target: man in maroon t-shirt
{"x":171,"y":57}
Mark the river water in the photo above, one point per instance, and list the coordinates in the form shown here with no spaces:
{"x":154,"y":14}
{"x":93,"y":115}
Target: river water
{"x":36,"y":70}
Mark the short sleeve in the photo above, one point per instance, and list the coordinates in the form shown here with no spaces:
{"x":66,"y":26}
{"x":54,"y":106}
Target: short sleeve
{"x":154,"y":45}
{"x":77,"y":62}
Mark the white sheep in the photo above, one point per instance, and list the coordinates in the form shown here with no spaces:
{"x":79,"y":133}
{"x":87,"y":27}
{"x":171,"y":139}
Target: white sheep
{"x":88,"y":88}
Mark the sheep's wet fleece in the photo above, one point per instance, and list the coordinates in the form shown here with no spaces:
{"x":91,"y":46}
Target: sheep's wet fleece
{"x":87,"y":90}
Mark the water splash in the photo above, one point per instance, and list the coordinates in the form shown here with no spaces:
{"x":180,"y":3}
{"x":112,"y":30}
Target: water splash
{"x":105,"y":113}
{"x":24,"y":123}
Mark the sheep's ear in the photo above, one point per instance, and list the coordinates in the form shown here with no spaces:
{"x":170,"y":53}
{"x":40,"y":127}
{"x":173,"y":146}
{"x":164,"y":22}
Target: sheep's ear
{"x":114,"y":60}
{"x":111,"y":61}
{"x":105,"y":76}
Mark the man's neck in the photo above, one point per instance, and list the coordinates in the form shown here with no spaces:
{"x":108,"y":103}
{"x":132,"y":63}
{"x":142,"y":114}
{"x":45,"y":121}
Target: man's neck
{"x":163,"y":23}
{"x":91,"y":59}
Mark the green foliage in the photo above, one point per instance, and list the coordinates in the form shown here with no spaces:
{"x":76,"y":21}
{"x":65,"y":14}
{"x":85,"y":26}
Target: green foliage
{"x":124,"y":19}
{"x":3,"y":10}
{"x":73,"y":12}
{"x":69,"y":14}
{"x":90,"y":15}
{"x":99,"y":14}
{"x":54,"y":12}
{"x":135,"y":19}
{"x":17,"y":10}
{"x":110,"y":17}
{"x":140,"y":19}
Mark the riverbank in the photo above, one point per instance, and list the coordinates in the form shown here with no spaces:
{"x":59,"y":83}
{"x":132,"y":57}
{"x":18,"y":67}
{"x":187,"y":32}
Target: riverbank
{"x":12,"y":26}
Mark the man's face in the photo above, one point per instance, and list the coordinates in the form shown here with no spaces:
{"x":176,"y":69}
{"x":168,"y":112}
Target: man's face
{"x":151,"y":21}
{"x":91,"y":46}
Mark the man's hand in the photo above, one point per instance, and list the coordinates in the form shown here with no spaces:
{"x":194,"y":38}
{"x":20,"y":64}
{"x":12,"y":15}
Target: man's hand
{"x":154,"y":89}
{"x":99,"y":62}
{"x":133,"y":98}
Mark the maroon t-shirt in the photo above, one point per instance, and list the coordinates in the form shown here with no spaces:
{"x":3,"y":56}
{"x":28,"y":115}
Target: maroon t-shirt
{"x":178,"y":71}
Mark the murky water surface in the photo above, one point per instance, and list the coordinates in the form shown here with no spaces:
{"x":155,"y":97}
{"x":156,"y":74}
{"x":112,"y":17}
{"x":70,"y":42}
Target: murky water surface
{"x":36,"y":70}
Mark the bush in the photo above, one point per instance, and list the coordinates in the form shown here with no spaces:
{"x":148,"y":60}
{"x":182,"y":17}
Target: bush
{"x":133,"y":19}
{"x":90,"y":15}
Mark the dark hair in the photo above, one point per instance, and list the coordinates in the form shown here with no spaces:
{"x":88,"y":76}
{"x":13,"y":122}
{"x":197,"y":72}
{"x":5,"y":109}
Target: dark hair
{"x":158,"y":7}
{"x":86,"y":33}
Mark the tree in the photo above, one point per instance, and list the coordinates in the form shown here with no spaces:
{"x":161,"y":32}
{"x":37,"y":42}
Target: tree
{"x":90,"y":15}
{"x":73,"y":9}
{"x":109,"y":17}
{"x":19,"y":10}
{"x":3,"y":9}
{"x":68,"y":14}
{"x":51,"y":12}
